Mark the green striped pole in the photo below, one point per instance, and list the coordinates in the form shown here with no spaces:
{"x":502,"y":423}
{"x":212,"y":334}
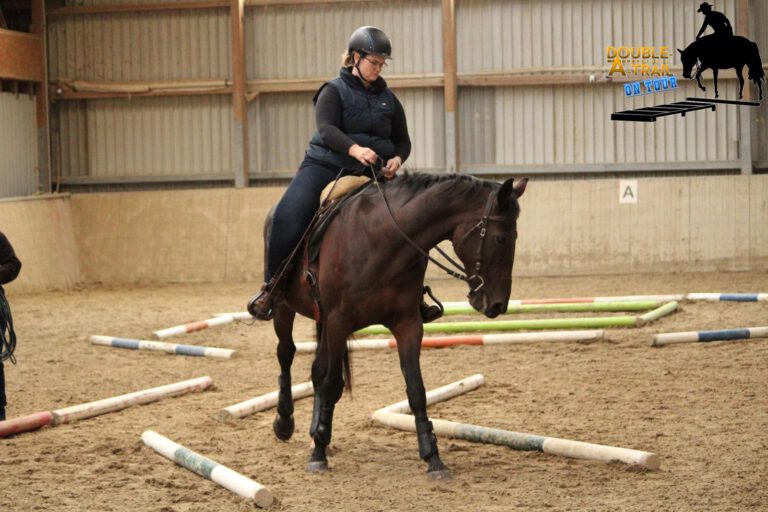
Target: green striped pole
{"x":521,"y":441}
{"x":657,"y":313}
{"x":512,"y":325}
{"x":466,"y":309}
{"x":210,"y":469}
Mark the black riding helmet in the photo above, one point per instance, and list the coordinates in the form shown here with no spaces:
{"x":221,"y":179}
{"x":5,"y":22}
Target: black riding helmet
{"x":370,"y":41}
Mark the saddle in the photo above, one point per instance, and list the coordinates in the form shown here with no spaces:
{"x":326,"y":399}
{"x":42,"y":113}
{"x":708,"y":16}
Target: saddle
{"x":332,"y":199}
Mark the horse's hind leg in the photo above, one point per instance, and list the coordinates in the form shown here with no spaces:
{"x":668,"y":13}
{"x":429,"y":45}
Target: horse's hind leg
{"x":283,"y":425}
{"x":714,"y":73}
{"x":741,"y":81}
{"x":409,"y":334}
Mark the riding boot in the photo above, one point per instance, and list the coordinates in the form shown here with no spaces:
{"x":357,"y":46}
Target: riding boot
{"x":2,"y":413}
{"x":430,"y":313}
{"x":260,"y":305}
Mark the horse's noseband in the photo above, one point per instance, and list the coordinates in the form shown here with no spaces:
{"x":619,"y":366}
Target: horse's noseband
{"x":475,"y":277}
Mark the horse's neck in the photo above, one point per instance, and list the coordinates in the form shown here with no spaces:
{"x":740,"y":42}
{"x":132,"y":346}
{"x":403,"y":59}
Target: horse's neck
{"x":437,"y":217}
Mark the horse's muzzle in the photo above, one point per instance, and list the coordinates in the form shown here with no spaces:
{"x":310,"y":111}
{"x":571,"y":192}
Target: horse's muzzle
{"x":495,"y":310}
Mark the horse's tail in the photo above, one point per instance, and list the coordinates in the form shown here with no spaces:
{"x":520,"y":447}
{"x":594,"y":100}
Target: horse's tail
{"x":754,"y":64}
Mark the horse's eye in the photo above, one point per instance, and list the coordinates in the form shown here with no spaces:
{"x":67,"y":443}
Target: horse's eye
{"x":500,"y":240}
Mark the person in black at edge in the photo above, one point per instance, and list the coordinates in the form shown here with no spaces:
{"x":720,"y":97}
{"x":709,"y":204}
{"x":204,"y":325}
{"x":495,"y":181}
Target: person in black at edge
{"x":716,"y":20}
{"x":9,"y":269}
{"x":359,"y":122}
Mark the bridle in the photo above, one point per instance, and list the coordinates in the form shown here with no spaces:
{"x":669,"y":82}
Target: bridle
{"x":482,"y":225}
{"x":475,"y":280}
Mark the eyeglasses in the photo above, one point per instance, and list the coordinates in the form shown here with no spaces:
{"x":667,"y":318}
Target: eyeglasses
{"x":376,"y":64}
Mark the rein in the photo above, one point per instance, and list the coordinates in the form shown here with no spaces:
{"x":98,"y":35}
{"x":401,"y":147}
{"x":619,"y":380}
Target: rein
{"x":462,"y":272}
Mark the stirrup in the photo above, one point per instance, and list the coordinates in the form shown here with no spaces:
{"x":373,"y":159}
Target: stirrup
{"x":260,"y":305}
{"x":430,"y":313}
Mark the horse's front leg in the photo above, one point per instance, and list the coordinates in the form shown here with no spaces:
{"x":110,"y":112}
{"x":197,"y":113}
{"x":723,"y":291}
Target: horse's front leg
{"x":714,"y":73}
{"x":328,"y":380}
{"x":698,"y":79}
{"x":408,"y":334}
{"x":283,"y":425}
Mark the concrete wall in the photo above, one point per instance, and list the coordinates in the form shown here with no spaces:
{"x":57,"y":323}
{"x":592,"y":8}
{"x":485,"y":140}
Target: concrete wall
{"x":170,"y":236}
{"x":568,"y":227}
{"x":40,"y":230}
{"x":698,"y":224}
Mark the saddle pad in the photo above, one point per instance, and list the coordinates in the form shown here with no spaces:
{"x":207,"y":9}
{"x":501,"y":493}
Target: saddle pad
{"x":345,"y":185}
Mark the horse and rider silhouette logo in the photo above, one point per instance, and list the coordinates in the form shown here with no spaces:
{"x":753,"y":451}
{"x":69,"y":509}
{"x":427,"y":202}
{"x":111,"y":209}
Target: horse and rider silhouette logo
{"x":721,"y":50}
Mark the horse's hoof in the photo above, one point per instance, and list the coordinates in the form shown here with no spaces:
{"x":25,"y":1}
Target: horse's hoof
{"x":440,"y":475}
{"x":318,"y":466}
{"x":283,"y":428}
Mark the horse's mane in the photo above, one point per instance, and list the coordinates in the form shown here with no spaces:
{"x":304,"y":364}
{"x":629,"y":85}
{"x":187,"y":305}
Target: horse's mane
{"x":458,"y":186}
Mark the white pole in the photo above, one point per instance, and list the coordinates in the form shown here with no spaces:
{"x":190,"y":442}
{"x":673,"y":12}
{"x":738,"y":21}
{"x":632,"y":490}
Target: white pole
{"x":192,"y":327}
{"x":441,"y":394}
{"x":208,"y":468}
{"x":743,"y":333}
{"x":263,"y":402}
{"x":107,"y":405}
{"x":238,"y":315}
{"x":521,"y":441}
{"x":472,"y":339}
{"x":159,"y":346}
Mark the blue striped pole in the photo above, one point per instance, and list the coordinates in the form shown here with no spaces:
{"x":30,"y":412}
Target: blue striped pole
{"x":743,"y":333}
{"x":208,"y":468}
{"x":728,"y":297}
{"x":159,"y":346}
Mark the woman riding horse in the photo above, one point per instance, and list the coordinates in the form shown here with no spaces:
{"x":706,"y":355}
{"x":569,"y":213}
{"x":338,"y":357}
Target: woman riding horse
{"x":359,"y":122}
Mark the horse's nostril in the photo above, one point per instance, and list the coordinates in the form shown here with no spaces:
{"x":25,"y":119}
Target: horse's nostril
{"x":496,"y":309}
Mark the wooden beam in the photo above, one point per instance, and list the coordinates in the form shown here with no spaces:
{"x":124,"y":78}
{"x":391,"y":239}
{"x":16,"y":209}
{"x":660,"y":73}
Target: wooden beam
{"x":199,"y":4}
{"x":125,"y":8}
{"x":240,"y":152}
{"x":267,"y":3}
{"x":38,"y":28}
{"x":745,"y":118}
{"x":450,"y":86}
{"x":57,"y":94}
{"x":256,"y":87}
{"x":21,"y":56}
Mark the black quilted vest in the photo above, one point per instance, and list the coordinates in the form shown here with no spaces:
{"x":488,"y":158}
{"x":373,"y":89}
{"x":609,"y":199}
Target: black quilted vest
{"x":366,"y":119}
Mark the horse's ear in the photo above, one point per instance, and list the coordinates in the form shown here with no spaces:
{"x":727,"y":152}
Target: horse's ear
{"x":681,"y":51}
{"x":508,"y":188}
{"x":520,"y":187}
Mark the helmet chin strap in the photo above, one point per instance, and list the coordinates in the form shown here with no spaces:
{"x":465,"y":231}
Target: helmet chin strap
{"x":360,"y":73}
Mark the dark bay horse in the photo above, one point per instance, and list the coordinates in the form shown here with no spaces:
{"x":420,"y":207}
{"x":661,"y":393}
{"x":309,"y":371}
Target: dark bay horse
{"x":368,"y":273}
{"x":717,"y":52}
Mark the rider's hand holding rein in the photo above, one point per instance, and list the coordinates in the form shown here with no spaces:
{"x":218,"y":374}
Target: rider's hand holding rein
{"x":393,"y":164}
{"x":365,"y":156}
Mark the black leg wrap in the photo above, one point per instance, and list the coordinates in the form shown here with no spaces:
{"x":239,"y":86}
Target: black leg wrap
{"x":427,"y":439}
{"x":322,"y":435}
{"x":284,"y":407}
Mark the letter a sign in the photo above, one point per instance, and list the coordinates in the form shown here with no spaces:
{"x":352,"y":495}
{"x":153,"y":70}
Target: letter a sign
{"x":627,"y":191}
